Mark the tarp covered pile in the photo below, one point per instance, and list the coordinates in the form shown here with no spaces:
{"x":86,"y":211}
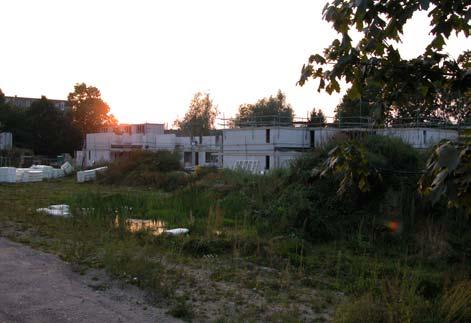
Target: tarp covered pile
{"x":90,"y":174}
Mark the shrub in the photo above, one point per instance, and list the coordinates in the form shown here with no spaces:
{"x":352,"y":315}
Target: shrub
{"x":310,"y":205}
{"x":203,"y":171}
{"x":161,"y":169}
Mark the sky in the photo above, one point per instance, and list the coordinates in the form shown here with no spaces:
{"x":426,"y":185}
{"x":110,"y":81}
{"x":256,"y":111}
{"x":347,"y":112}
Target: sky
{"x":149,"y":57}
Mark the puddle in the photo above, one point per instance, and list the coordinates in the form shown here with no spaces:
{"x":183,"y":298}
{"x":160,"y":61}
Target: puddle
{"x":156,"y":227}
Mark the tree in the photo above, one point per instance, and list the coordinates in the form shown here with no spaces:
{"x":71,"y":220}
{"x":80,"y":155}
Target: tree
{"x":45,"y":122}
{"x":89,"y":112}
{"x":41,"y":127}
{"x":273,"y":110}
{"x":51,"y":130}
{"x":317,"y":117}
{"x":200,"y":117}
{"x":15,"y":120}
{"x":2,"y":97}
{"x":432,"y":83}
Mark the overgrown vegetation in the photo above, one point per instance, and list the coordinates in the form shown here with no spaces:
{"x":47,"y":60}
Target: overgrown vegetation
{"x":286,"y":240}
{"x":161,"y":170}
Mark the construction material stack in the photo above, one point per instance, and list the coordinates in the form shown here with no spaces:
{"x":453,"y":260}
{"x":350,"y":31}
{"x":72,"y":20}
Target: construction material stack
{"x":28,"y":175}
{"x":7,"y":175}
{"x":35,"y":173}
{"x":67,"y":168}
{"x":90,"y":174}
{"x":49,"y":172}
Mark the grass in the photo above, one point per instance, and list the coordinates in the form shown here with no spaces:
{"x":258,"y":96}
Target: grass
{"x":217,"y":268}
{"x":272,"y":268}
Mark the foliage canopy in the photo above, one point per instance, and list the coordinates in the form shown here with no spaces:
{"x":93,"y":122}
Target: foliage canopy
{"x":200,"y":117}
{"x":273,"y":110}
{"x":433,"y":82}
{"x":89,"y":112}
{"x":41,"y":127}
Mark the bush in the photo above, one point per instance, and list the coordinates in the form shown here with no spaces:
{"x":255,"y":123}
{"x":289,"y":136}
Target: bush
{"x":161,"y":169}
{"x":203,"y":171}
{"x":313,"y":204}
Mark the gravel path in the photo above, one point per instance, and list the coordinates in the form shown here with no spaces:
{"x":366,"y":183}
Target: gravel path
{"x":39,"y":287}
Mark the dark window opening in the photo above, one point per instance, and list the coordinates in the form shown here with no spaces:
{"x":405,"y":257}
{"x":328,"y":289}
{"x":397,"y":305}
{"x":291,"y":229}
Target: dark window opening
{"x":425,"y":137}
{"x":187,"y":157}
{"x":197,"y":158}
{"x":201,"y":140}
{"x":267,"y":136}
{"x":312,"y":141}
{"x":267,"y":162}
{"x":208,"y":157}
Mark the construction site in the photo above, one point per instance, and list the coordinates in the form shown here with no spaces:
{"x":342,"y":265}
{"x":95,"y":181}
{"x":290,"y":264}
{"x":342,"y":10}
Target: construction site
{"x":258,"y":144}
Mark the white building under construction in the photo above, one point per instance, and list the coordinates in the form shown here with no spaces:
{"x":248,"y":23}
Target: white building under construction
{"x":256,"y":148}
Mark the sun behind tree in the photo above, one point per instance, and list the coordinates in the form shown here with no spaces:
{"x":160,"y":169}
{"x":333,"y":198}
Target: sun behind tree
{"x":89,"y":112}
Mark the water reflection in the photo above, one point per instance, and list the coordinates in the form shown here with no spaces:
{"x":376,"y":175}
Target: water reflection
{"x":155,"y":227}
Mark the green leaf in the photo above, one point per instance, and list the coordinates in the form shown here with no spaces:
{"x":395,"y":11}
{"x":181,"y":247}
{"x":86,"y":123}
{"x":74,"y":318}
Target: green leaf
{"x":362,"y":185}
{"x":355,"y":91}
{"x":423,"y":89}
{"x":424,"y":4}
{"x":448,"y":156}
{"x":438,"y":42}
{"x":440,"y":179}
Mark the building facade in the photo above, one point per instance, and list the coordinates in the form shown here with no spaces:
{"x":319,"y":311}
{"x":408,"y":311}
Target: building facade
{"x":255,"y":148}
{"x":107,"y":146}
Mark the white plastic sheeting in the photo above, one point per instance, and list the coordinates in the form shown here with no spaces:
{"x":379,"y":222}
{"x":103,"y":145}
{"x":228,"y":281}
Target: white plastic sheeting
{"x":177,"y":231}
{"x":89,"y":175}
{"x":62,"y":210}
{"x":7,"y":174}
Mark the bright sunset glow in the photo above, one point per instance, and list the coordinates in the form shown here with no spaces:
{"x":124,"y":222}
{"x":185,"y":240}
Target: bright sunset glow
{"x":148,"y":58}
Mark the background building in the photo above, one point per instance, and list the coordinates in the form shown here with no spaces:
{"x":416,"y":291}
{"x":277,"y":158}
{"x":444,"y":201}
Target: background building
{"x":254,"y":148}
{"x":106,"y":146}
{"x":23,"y":102}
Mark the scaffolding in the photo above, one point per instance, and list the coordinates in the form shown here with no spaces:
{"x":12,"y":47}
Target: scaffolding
{"x":341,"y":122}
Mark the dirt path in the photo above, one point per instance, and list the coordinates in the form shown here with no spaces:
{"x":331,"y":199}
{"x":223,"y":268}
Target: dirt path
{"x":39,"y":287}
